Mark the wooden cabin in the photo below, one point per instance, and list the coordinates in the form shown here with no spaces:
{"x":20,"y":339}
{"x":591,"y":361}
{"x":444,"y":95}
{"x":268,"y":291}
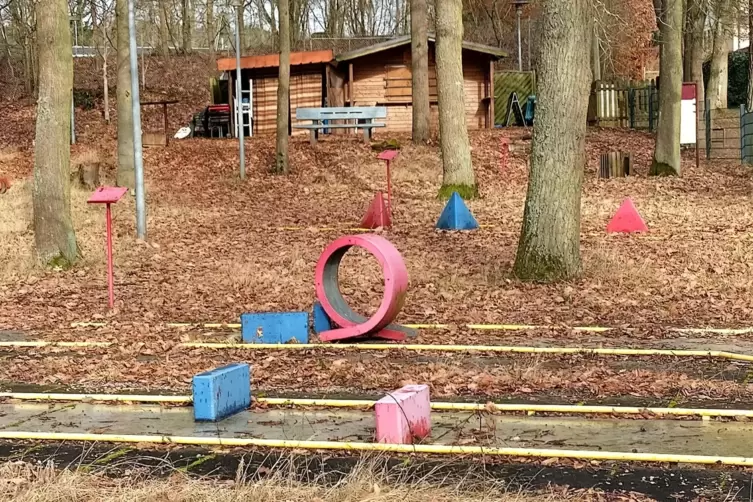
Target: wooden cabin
{"x":378,"y":75}
{"x":259,"y":86}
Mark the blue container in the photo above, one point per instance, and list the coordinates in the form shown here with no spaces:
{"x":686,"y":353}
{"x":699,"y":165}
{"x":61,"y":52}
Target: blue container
{"x":322,"y":322}
{"x":275,"y":327}
{"x":221,"y":392}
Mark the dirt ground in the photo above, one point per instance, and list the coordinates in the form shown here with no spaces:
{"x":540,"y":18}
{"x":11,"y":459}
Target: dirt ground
{"x":217,"y":247}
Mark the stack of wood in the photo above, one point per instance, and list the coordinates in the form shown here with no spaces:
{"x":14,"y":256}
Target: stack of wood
{"x":615,"y":164}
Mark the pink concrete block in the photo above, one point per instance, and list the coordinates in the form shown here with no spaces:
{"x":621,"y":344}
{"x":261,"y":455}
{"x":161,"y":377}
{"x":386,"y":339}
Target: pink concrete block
{"x":403,"y":415}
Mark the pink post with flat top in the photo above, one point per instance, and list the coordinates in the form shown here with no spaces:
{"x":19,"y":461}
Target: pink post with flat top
{"x":107,"y":196}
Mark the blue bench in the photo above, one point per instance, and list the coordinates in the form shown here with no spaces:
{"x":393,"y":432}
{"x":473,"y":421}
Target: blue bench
{"x":364,"y":117}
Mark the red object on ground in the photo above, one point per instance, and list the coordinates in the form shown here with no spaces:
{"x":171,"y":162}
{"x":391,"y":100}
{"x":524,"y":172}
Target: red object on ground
{"x":504,"y":153}
{"x":626,"y":219}
{"x":4,"y":185}
{"x":108,"y":196}
{"x":328,"y":292}
{"x":387,"y":156}
{"x":377,"y":215}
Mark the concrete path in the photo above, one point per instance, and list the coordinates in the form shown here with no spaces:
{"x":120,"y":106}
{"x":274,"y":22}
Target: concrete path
{"x":456,"y":428}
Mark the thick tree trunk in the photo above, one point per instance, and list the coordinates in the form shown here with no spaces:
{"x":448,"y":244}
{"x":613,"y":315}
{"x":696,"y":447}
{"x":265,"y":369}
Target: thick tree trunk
{"x":283,"y":90}
{"x":164,"y":33}
{"x":54,"y":236}
{"x":718,"y":74}
{"x":549,"y":247}
{"x":126,"y":174}
{"x":211,"y":35}
{"x":457,"y":173}
{"x":667,"y":147}
{"x":750,"y":55}
{"x":187,"y":12}
{"x":420,"y":70}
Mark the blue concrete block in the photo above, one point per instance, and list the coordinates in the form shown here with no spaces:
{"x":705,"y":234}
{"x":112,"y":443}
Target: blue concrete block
{"x":456,"y":215}
{"x":275,"y":327}
{"x":322,"y":322}
{"x":221,"y":392}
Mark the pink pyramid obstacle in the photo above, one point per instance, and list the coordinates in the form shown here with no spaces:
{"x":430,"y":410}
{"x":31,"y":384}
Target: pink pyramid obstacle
{"x":377,"y":215}
{"x":626,"y":219}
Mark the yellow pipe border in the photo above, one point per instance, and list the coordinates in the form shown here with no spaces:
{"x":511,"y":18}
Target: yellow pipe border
{"x":362,"y":403}
{"x":471,"y":326}
{"x":42,"y":343}
{"x":429,"y":449}
{"x":417,"y":348}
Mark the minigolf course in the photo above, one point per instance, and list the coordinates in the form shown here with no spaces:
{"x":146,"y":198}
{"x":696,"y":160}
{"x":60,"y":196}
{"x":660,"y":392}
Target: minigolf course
{"x":349,"y":323}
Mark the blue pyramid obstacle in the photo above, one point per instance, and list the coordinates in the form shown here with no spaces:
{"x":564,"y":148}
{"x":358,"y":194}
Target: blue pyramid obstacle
{"x":456,"y":215}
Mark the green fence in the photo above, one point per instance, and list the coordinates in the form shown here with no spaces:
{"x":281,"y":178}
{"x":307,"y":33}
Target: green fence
{"x":523,"y":83}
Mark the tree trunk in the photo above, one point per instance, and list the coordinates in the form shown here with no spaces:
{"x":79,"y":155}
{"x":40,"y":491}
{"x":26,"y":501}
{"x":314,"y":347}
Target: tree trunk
{"x":105,"y":81}
{"x":420,"y":71}
{"x":696,"y":23}
{"x":54,"y":236}
{"x":718,"y":74}
{"x":164,"y":33}
{"x":211,"y":36}
{"x":595,"y":55}
{"x":187,"y":12}
{"x":549,"y":246}
{"x":126,"y":173}
{"x":457,"y":173}
{"x":667,"y":147}
{"x":750,"y":55}
{"x":283,"y":90}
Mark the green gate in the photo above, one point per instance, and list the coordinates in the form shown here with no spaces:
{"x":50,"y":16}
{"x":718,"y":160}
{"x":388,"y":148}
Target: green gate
{"x":523,"y":83}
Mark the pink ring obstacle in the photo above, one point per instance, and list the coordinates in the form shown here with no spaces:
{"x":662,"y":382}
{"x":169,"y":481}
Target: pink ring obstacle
{"x":328,"y":292}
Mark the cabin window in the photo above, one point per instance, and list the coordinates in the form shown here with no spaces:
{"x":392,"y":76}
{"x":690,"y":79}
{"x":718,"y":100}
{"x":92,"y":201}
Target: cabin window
{"x":398,"y":82}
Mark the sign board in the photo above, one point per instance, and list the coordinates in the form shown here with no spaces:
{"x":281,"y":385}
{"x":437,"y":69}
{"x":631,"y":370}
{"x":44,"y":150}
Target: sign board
{"x":688,"y":110}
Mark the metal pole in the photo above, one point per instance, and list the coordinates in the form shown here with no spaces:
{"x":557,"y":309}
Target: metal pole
{"x":138,"y":161}
{"x":528,"y":43}
{"x":110,"y":279}
{"x":238,"y":98}
{"x":520,"y":47}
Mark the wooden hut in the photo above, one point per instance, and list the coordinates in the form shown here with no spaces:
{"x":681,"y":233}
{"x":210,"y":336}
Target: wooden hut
{"x":377,"y":75}
{"x":259,"y":85}
{"x":380,"y":75}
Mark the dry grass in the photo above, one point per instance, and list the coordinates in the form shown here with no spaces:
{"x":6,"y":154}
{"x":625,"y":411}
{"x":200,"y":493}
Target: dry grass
{"x":25,"y":482}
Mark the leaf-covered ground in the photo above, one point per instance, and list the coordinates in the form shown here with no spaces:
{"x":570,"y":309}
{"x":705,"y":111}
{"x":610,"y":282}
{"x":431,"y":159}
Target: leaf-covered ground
{"x":218,"y":247}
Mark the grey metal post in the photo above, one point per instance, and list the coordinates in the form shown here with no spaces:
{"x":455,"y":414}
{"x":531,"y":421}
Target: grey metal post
{"x":238,"y":97}
{"x":520,"y":47}
{"x":138,"y":161}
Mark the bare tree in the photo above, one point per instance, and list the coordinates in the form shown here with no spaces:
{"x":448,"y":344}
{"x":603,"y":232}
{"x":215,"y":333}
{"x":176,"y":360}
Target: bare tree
{"x":420,"y":70}
{"x":549,"y":247}
{"x":695,"y":25}
{"x":54,"y":235}
{"x":164,"y":33}
{"x":667,"y":147}
{"x":719,"y":71}
{"x":211,"y":34}
{"x":126,"y":173}
{"x":187,"y":14}
{"x":283,"y":90}
{"x":453,"y":133}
